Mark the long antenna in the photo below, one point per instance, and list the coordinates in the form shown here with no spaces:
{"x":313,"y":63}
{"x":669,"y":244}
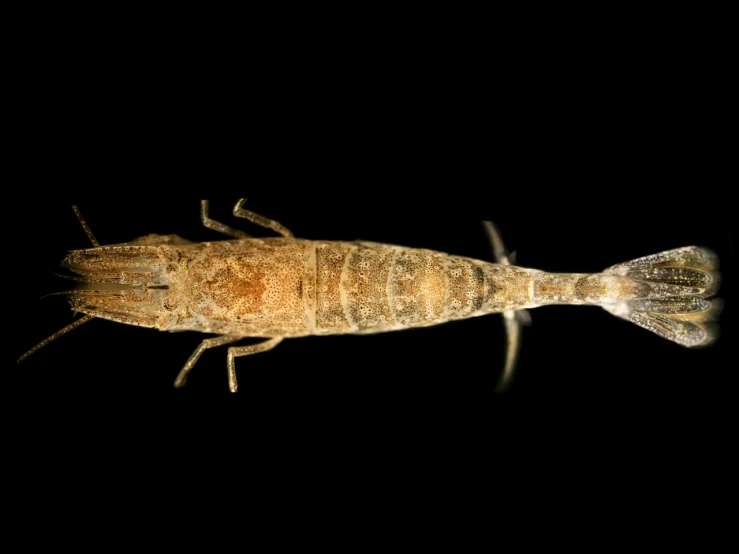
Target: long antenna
{"x":86,"y":227}
{"x":56,"y":335}
{"x":83,"y":319}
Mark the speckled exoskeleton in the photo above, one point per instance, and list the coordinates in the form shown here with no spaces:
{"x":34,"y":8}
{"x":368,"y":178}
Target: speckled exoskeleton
{"x":283,"y":287}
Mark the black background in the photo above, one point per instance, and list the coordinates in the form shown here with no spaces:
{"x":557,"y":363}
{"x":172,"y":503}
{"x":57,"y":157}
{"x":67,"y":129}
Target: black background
{"x":583,"y":160}
{"x":588,"y":146}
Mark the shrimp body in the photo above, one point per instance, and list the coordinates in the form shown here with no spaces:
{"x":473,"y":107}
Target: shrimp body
{"x":284,"y":287}
{"x":289,"y":287}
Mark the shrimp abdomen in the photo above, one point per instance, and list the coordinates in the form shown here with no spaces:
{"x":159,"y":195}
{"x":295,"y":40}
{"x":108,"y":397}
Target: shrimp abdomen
{"x":364,"y":287}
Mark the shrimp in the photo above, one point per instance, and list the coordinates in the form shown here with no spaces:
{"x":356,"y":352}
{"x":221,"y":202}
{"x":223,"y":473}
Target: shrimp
{"x":285,"y":287}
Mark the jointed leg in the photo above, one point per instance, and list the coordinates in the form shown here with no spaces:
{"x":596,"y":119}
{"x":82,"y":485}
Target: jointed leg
{"x":238,"y":351}
{"x":207,"y":343}
{"x":513,"y":320}
{"x":513,"y":348}
{"x":279,"y":228}
{"x":496,"y":240}
{"x":220,"y":227}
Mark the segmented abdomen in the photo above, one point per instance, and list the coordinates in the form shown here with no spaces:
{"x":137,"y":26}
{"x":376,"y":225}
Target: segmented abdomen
{"x":369,"y":288}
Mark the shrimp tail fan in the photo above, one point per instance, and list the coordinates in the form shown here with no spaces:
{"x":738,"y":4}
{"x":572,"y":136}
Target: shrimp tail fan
{"x":675,"y":298}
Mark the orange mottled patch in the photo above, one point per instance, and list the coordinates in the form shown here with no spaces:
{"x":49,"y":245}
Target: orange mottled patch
{"x":245,"y":288}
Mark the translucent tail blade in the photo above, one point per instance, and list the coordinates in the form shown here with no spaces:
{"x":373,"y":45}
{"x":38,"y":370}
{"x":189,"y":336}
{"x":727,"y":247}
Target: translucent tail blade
{"x":675,"y":302}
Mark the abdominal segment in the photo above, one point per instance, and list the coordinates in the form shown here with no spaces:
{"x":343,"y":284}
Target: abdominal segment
{"x":371,"y":288}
